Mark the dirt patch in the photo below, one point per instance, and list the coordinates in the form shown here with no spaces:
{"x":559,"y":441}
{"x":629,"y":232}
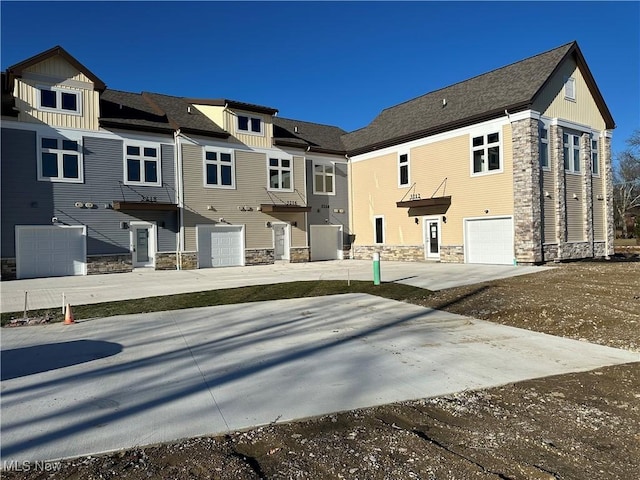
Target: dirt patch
{"x":575,"y":426}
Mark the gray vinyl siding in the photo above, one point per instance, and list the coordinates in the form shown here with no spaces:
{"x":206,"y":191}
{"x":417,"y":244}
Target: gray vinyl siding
{"x":39,"y":201}
{"x":548,"y":208}
{"x":575,"y":206}
{"x":323,"y":206}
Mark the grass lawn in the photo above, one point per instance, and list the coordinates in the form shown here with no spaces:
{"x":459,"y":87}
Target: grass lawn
{"x":229,"y":296}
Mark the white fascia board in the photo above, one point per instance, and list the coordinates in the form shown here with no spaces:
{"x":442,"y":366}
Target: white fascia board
{"x":325,"y":158}
{"x":569,"y":124}
{"x":482,"y":126}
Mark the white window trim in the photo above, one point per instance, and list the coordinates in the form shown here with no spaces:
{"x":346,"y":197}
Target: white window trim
{"x":59,"y":91}
{"x":571,"y":169}
{"x":206,"y":162}
{"x":59,"y":137}
{"x":544,"y":143}
{"x":249,"y":132}
{"x":280,"y":169}
{"x":485,"y":133}
{"x":324,"y":165}
{"x":384,"y":236}
{"x":142,"y":145}
{"x":408,"y":184}
{"x":596,"y":138}
{"x":570,"y":81}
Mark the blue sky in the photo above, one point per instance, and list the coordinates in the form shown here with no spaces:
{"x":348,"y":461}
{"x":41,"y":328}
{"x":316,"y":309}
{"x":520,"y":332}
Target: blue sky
{"x":329,"y":62}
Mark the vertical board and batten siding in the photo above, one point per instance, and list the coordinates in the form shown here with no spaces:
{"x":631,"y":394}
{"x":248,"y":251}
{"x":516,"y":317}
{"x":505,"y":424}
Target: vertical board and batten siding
{"x":551,"y":102}
{"x":259,"y":141}
{"x":548,"y":207}
{"x":375,"y":190}
{"x":323,"y":205}
{"x":599,"y":230}
{"x":575,"y":207}
{"x":58,"y":70}
{"x":103,"y":172}
{"x":250,"y":191}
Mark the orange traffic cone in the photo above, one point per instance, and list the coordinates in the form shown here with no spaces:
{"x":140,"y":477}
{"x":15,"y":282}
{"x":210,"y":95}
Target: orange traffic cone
{"x":68,"y":316}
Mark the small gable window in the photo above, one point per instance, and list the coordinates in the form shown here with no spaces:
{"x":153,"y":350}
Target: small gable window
{"x":570,"y":88}
{"x":59,"y":100}
{"x":250,"y":125}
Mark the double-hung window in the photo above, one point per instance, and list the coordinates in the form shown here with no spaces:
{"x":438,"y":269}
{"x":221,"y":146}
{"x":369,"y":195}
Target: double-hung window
{"x":403,"y":170}
{"x":571,"y":152}
{"x":59,"y":100}
{"x":219,"y":169}
{"x":142,"y":165}
{"x":323,"y":178}
{"x":251,"y":125}
{"x":543,"y":145}
{"x":60,"y":160}
{"x":486,"y":153}
{"x":595,"y":162}
{"x":280,"y":174}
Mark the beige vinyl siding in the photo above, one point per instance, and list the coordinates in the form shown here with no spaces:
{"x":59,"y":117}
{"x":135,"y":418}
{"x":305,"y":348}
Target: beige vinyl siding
{"x":250,"y":191}
{"x":54,"y":72}
{"x":548,"y":208}
{"x":375,"y":190}
{"x":552,"y":103}
{"x":599,"y":232}
{"x":259,"y":141}
{"x":575,"y":206}
{"x":215,"y":114}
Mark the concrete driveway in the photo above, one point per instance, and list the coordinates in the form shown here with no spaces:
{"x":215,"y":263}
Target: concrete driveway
{"x":47,"y":292}
{"x":118,"y":382}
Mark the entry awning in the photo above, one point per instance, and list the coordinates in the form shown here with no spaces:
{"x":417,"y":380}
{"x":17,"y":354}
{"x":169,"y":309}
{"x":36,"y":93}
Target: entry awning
{"x":426,"y":206}
{"x":283,"y":208}
{"x":156,"y":206}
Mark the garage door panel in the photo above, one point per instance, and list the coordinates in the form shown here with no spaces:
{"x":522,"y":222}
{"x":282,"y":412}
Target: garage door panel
{"x":220,"y":246}
{"x":489,"y":241}
{"x":325,"y":242}
{"x":50,"y":251}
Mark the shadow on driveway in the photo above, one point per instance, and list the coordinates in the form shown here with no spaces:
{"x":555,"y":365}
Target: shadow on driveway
{"x":20,"y":362}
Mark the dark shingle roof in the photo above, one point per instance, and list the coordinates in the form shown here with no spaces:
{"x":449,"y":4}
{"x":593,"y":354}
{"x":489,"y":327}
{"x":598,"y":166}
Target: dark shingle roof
{"x":221,"y":102}
{"x":486,"y":96}
{"x":315,"y":136}
{"x":184,"y":116}
{"x":131,"y":111}
{"x":154,"y":112}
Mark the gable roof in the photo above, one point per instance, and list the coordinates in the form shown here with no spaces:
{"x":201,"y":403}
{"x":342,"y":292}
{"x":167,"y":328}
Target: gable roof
{"x":17,"y":69}
{"x":8,"y":101}
{"x":225,"y":102}
{"x":513,"y":88}
{"x":314,"y":137}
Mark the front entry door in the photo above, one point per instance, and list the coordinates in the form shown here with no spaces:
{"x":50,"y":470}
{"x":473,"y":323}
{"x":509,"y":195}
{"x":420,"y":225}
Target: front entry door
{"x":142,"y":246}
{"x":280,"y":241}
{"x":432,"y":237}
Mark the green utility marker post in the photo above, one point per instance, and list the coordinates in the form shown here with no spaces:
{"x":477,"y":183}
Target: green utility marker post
{"x":376,"y":269}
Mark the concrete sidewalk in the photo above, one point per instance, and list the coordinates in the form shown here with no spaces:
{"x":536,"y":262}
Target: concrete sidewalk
{"x":118,"y":382}
{"x":79,"y":290}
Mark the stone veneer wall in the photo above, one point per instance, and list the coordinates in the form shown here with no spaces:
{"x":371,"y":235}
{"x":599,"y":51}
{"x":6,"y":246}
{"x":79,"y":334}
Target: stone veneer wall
{"x":600,"y":249}
{"x":452,"y":253}
{"x":298,"y":254}
{"x":587,"y":192}
{"x":527,"y":206}
{"x":98,"y":264}
{"x":258,"y":256}
{"x":411,"y":253}
{"x":607,"y":170}
{"x":559,"y":195}
{"x":166,"y":261}
{"x":550,"y":252}
{"x":189,"y":260}
{"x":8,"y":269}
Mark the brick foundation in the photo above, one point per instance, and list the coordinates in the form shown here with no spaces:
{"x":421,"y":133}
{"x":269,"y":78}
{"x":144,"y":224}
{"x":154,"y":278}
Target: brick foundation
{"x":99,"y":264}
{"x":402,"y":253}
{"x":8,"y":269}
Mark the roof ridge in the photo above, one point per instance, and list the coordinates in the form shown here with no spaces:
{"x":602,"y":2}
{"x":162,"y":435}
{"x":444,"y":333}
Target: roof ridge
{"x":474,"y":77}
{"x":312,"y":123}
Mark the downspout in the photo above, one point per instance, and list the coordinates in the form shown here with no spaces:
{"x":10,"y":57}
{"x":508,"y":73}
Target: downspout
{"x":350,"y":205}
{"x":180,"y":195}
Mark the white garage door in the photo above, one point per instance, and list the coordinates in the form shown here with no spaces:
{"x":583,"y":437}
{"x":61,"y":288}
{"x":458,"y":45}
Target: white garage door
{"x":489,"y":241}
{"x":325,"y":242}
{"x":220,"y":246}
{"x":50,"y":251}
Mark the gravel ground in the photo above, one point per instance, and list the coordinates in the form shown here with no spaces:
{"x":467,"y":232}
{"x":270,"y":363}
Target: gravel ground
{"x":576,"y":426}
